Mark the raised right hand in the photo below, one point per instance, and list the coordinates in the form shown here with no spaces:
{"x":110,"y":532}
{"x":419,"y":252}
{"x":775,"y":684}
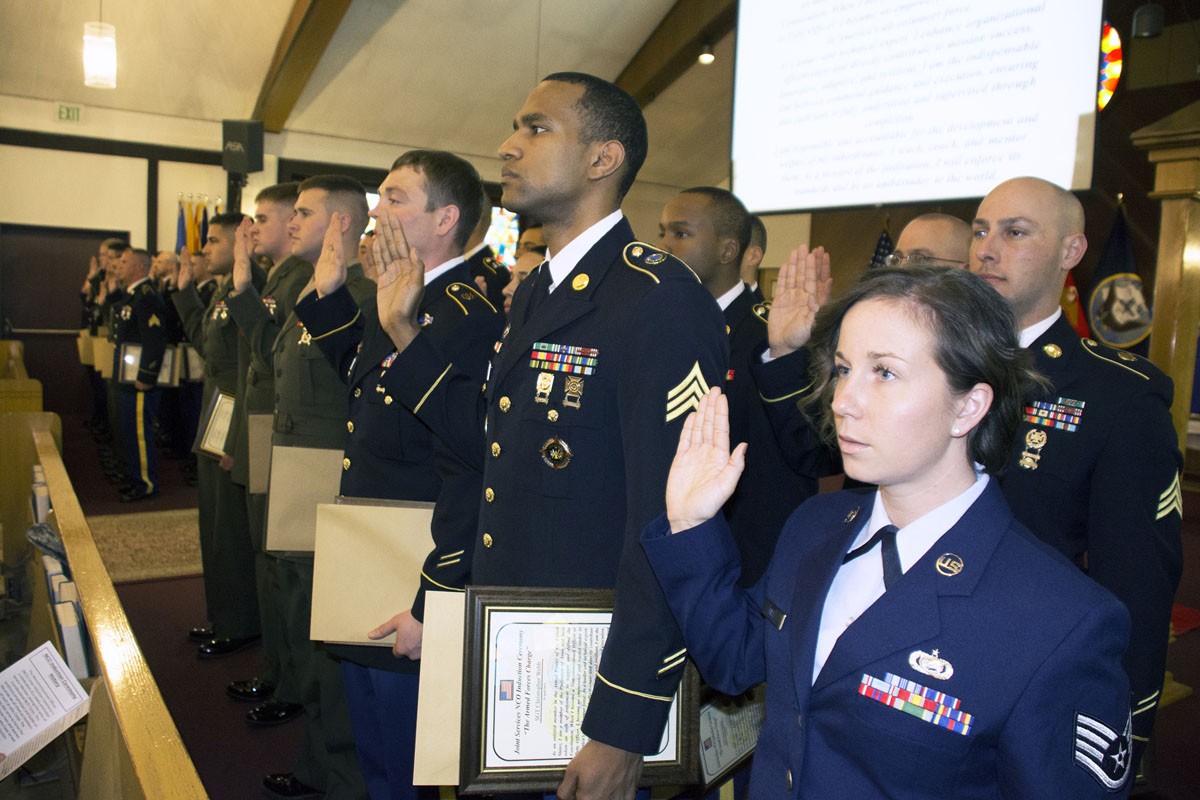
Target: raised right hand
{"x":185,"y":269}
{"x":329,"y":273}
{"x":803,"y":286}
{"x":243,"y":274}
{"x":400,"y":283}
{"x":704,"y":472}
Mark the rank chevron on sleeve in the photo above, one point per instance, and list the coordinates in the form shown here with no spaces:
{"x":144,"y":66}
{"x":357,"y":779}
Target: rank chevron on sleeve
{"x":686,"y":395}
{"x":1171,"y":499}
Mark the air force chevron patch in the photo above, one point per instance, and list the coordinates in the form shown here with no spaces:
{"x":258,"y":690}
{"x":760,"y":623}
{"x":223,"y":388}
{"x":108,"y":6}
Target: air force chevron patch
{"x":1102,"y":752}
{"x":1170,"y":500}
{"x":686,"y":395}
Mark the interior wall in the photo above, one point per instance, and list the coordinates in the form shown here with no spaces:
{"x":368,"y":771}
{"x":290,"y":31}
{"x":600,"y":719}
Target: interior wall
{"x":76,"y":190}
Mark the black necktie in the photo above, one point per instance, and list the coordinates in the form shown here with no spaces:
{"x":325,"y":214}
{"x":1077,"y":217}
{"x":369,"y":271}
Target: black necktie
{"x":891,"y":556}
{"x":541,"y":289}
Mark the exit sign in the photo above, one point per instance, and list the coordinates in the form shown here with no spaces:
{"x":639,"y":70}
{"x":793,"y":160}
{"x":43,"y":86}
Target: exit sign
{"x":68,"y":112}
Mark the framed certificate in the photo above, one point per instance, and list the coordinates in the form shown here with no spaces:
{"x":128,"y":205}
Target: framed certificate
{"x":728,"y":732}
{"x":214,"y":426}
{"x":131,"y":357}
{"x":530,"y":663}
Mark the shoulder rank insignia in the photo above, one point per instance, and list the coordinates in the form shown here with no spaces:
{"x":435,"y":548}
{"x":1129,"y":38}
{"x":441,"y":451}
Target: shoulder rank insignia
{"x":463,"y":295}
{"x":762,"y":311}
{"x":685,"y":396}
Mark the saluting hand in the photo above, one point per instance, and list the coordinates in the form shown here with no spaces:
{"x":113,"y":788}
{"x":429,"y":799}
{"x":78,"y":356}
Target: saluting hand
{"x":329,"y":273}
{"x":401,"y":282}
{"x":704,"y":472}
{"x":185,"y":269}
{"x":243,"y":246}
{"x":803,"y":286}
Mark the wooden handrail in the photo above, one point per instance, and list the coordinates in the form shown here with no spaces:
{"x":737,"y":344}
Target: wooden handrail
{"x":161,"y":763}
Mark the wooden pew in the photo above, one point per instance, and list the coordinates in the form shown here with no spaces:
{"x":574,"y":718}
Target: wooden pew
{"x":132,"y":747}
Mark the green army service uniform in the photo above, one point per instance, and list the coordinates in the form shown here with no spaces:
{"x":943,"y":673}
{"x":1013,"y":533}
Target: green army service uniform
{"x":311,"y":409}
{"x":260,"y":316}
{"x":229,"y":587}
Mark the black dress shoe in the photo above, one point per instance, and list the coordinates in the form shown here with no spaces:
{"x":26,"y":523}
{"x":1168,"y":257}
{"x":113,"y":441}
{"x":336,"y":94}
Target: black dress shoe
{"x":285,"y":785}
{"x":140,"y":493}
{"x":201,"y":634}
{"x":219,"y":648}
{"x":273,"y":712}
{"x":254,"y":690}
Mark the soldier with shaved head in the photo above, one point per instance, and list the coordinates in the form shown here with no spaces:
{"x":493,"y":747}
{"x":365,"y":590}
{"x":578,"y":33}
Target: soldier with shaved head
{"x":1094,"y":470}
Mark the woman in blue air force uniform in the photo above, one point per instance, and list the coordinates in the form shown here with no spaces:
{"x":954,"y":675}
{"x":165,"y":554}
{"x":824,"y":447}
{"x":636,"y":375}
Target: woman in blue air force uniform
{"x":954,"y":657}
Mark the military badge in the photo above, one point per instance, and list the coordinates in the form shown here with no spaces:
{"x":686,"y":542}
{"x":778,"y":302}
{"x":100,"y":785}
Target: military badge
{"x":918,"y":701}
{"x":1102,"y":752}
{"x":126,"y":312}
{"x":949,"y":564}
{"x":1035,"y":440}
{"x":556,"y":453}
{"x":305,"y":336}
{"x":545,"y":382}
{"x":573,"y":391}
{"x":850,"y":516}
{"x":270,"y":304}
{"x":580,"y":282}
{"x":931,"y":664}
{"x":387,"y":362}
{"x":636,"y":251}
{"x":1052,"y":350}
{"x":685,"y":395}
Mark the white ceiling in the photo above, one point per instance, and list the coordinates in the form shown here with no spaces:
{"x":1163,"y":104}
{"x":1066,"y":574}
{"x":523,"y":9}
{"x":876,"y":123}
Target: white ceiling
{"x":412,"y":73}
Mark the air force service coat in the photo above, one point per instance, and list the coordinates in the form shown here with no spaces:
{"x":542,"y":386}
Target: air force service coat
{"x":1094,"y":472}
{"x":1016,"y":653}
{"x":584,"y":406}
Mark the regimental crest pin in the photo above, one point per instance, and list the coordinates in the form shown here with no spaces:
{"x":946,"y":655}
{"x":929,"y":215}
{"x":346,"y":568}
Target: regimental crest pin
{"x":425,"y":320}
{"x":931,"y":664}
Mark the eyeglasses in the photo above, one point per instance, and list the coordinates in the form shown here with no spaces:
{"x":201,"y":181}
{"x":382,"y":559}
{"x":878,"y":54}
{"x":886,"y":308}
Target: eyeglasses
{"x":920,"y":260}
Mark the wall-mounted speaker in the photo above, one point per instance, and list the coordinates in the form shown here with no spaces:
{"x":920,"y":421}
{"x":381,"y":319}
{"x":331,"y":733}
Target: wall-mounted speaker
{"x":242,"y":145}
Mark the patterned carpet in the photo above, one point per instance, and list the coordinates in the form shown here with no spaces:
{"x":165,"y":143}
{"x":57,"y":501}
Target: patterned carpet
{"x":149,"y":545}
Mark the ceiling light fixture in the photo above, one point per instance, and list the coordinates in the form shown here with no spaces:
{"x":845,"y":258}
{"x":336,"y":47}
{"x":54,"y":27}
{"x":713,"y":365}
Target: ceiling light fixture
{"x":706,"y":55}
{"x":100,"y":54}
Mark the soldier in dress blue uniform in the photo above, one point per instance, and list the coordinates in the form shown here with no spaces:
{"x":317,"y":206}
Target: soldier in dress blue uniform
{"x":916,"y":641}
{"x":310,"y":411}
{"x":390,"y":453}
{"x":488,"y":273}
{"x":606,"y":350}
{"x":139,"y":319}
{"x":1095,"y":468}
{"x":709,"y":229}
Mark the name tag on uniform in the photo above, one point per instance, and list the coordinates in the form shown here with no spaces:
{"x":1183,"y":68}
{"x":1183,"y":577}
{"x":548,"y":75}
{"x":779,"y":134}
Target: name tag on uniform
{"x":774,"y":614}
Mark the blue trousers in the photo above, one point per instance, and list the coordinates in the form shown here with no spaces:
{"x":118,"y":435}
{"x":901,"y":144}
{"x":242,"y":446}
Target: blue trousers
{"x":383,"y":713}
{"x":136,"y":411}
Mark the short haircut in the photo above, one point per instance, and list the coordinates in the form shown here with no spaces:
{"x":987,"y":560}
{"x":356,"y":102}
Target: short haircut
{"x":975,"y":341}
{"x":449,"y":181}
{"x":118,"y":246}
{"x":730,"y":218}
{"x":285,"y":193}
{"x":227,"y":219}
{"x":346,"y":192}
{"x":606,"y":111}
{"x":758,"y":232}
{"x":485,"y":215}
{"x":141,"y":254}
